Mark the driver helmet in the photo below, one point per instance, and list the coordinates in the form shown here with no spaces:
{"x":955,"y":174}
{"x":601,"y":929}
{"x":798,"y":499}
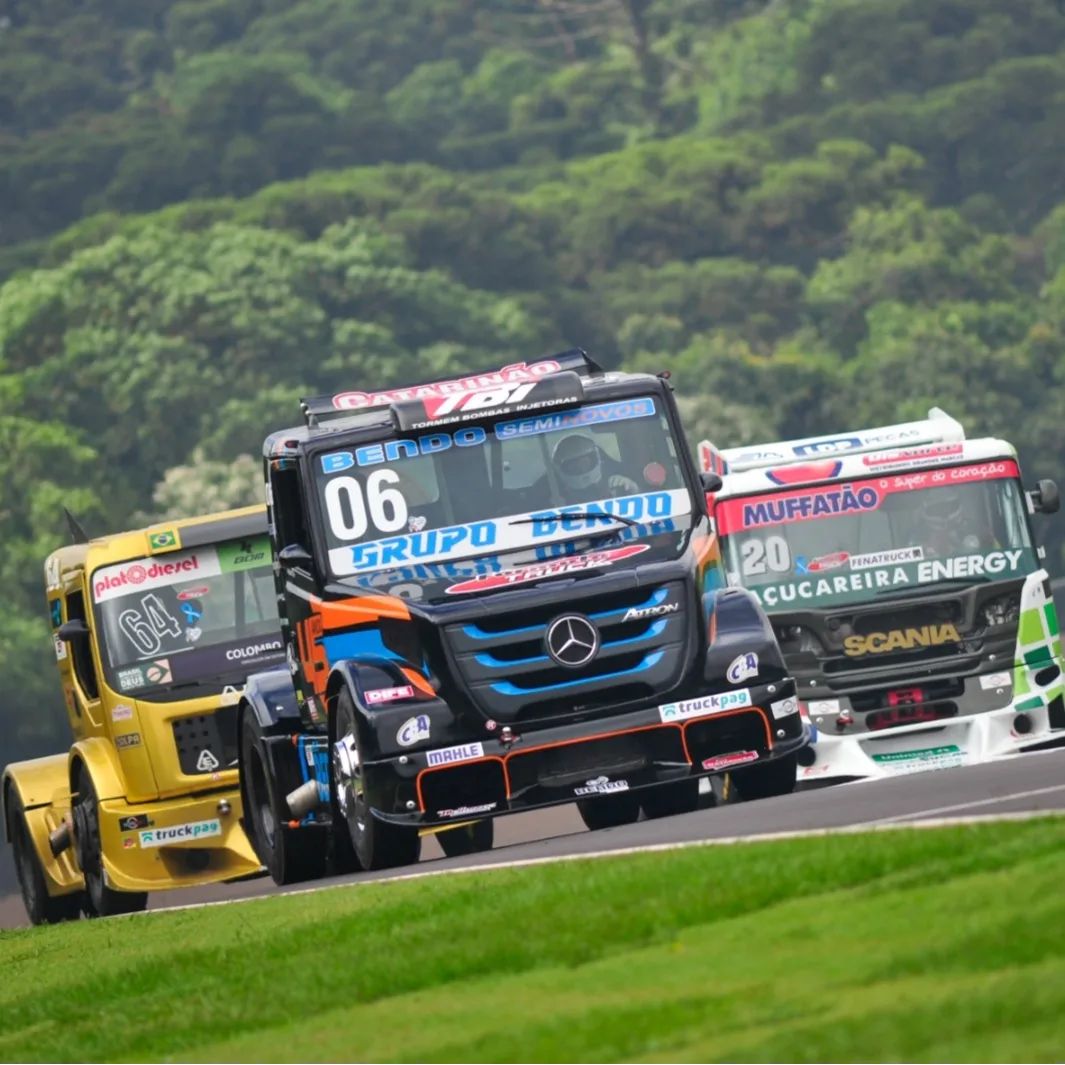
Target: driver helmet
{"x":578,"y":461}
{"x":942,"y":509}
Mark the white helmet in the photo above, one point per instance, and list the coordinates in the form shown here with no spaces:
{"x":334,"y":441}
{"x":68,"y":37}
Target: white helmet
{"x":578,"y":461}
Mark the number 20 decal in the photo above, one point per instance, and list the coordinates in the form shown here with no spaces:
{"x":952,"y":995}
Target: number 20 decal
{"x":351,"y":512}
{"x":760,"y":555}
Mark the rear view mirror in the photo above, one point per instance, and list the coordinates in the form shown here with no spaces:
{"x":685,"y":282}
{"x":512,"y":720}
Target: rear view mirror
{"x":711,"y":482}
{"x":294,"y":556}
{"x":1046,"y":498}
{"x":76,"y":629}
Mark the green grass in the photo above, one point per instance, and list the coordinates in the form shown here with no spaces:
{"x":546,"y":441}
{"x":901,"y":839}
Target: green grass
{"x":931,"y":945}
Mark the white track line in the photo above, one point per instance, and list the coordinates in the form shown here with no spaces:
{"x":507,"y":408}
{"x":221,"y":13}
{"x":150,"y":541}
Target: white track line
{"x":969,"y":805}
{"x":723,"y":841}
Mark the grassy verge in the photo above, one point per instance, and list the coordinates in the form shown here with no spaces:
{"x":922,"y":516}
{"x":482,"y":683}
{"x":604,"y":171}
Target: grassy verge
{"x":935,"y":945}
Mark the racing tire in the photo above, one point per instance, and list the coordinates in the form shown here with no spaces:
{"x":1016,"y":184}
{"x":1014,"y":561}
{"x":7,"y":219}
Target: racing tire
{"x":290,"y":855}
{"x":766,"y":780}
{"x":377,"y":844}
{"x":41,"y":907}
{"x":667,"y":800}
{"x":100,"y":900}
{"x":609,"y":811}
{"x":467,"y":839}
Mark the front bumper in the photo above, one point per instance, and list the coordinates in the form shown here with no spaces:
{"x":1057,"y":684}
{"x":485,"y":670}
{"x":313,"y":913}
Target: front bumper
{"x":981,"y":737}
{"x":175,"y":843}
{"x":492,"y":775}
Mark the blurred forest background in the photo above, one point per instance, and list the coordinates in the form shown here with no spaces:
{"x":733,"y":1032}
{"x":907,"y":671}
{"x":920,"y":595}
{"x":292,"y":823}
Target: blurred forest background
{"x":817,"y":213}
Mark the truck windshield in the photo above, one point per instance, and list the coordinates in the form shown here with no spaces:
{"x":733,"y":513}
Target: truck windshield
{"x":513,"y":485}
{"x":844,"y":543}
{"x":206,"y":614}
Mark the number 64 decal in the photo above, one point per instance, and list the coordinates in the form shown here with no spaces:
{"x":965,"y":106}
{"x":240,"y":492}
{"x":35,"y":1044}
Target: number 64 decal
{"x":770,"y":554}
{"x":146,"y":628}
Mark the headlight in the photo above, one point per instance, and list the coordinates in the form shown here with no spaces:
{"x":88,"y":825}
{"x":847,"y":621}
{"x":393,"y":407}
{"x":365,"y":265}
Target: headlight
{"x":794,"y":639}
{"x":1002,"y":610}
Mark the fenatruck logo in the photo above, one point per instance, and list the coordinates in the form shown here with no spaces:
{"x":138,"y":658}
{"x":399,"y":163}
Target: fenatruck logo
{"x":436,"y":392}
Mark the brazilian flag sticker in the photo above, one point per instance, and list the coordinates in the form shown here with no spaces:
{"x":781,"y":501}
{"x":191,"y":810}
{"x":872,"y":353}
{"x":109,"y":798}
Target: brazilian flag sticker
{"x":164,"y":540}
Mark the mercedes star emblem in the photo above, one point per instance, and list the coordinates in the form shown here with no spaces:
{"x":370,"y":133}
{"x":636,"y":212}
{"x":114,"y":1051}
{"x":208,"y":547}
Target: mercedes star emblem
{"x":572,"y":640}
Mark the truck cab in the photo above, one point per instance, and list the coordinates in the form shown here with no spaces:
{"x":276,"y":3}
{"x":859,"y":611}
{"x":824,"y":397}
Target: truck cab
{"x":499,"y":593}
{"x":155,"y":632}
{"x":902,"y":576}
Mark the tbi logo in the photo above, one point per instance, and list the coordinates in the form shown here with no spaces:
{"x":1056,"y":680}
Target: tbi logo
{"x":473,"y":402}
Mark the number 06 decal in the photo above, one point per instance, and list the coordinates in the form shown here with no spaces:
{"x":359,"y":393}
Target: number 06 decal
{"x":351,"y":513}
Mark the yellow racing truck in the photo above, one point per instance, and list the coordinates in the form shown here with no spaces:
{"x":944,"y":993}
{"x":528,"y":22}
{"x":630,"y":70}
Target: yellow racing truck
{"x":155,"y":632}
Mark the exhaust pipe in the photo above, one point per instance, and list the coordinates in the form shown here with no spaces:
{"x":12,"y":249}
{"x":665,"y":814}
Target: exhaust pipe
{"x":304,"y":799}
{"x":60,"y":838}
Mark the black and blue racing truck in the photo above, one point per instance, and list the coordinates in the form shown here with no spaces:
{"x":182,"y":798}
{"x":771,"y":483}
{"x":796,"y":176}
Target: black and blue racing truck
{"x":499,"y":593}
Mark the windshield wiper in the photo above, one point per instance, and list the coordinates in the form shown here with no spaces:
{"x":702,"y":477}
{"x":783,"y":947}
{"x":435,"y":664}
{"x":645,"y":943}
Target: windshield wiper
{"x":586,"y":514}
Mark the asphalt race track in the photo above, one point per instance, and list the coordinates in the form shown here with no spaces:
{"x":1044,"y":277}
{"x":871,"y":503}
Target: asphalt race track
{"x":1032,"y":784}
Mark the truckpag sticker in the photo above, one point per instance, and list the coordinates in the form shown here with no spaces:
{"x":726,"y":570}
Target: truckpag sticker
{"x":707,"y":704}
{"x":552,"y":568}
{"x":162,"y":837}
{"x":508,"y":533}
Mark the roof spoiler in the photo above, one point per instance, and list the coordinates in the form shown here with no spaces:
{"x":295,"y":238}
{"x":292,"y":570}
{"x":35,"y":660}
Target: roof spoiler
{"x":938,"y":428}
{"x":344,"y":404}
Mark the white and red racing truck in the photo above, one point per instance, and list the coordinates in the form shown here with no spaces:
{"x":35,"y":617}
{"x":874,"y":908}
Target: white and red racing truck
{"x":899,"y":569}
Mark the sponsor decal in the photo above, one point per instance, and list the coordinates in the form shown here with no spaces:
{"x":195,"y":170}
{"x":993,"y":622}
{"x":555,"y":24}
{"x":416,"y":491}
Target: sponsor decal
{"x":856,"y":584}
{"x":132,"y":822}
{"x":111,"y":582}
{"x":783,"y":507}
{"x":60,"y":648}
{"x":255,"y":650}
{"x":742,"y":668}
{"x":130,"y":678}
{"x":161,"y":837}
{"x":207,"y":762}
{"x":128,"y":739}
{"x":943,"y":757}
{"x":192,"y":610}
{"x":915,"y":456}
{"x":57,"y":613}
{"x":416,"y":522}
{"x":544,"y":570}
{"x":577,"y":419}
{"x":128,"y":842}
{"x":193,"y":634}
{"x":376,"y":696}
{"x":601,"y":786}
{"x":707,"y":704}
{"x":164,"y":540}
{"x":785,"y":707}
{"x":638,"y":613}
{"x":828,"y":447}
{"x":193,"y":593}
{"x":158,"y":672}
{"x":413,"y":730}
{"x":121,"y":712}
{"x":397,"y":450}
{"x":244,"y":554}
{"x":823,"y":562}
{"x":823,"y":707}
{"x":515,"y":373}
{"x":509,"y":533}
{"x":900,"y":640}
{"x":467,"y":811}
{"x":805,"y":472}
{"x":727,"y":761}
{"x":450,"y":755}
{"x":995,"y":680}
{"x":887,"y":558}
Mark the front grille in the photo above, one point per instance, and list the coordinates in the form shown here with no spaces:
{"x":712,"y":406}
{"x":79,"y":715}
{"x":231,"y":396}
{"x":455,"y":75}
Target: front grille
{"x":206,"y":743}
{"x":504,"y":668}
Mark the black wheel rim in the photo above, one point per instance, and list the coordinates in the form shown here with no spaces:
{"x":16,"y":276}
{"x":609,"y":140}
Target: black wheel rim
{"x":266,"y":823}
{"x":347,"y":776}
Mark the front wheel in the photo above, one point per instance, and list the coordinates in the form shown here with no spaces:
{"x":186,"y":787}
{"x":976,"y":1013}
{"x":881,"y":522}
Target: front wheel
{"x":609,"y":811}
{"x":766,"y":780}
{"x":41,"y":907}
{"x":377,"y":844}
{"x":666,"y":800}
{"x":467,"y":839}
{"x":289,"y":854}
{"x":103,"y":901}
